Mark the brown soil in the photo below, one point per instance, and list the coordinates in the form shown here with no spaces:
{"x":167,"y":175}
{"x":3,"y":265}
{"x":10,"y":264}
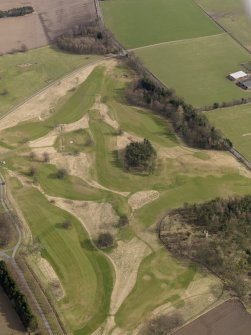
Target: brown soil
{"x":229,"y":318}
{"x":9,"y":321}
{"x":50,"y":19}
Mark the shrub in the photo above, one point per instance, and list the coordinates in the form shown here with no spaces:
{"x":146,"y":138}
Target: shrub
{"x":105,"y":240}
{"x":61,"y":173}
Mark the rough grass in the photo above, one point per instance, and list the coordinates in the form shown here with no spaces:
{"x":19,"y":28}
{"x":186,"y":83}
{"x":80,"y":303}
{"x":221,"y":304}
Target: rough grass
{"x":232,"y":16}
{"x":23,"y":74}
{"x":197,"y":69}
{"x":234,"y":122}
{"x":86,"y":275}
{"x":73,"y":109}
{"x":161,"y":279}
{"x":74,"y":142}
{"x":144,"y":22}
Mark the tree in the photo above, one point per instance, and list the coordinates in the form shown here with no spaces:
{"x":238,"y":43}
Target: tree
{"x":162,"y":325}
{"x":105,"y":240}
{"x":61,"y":173}
{"x":46,"y":157}
{"x":140,"y":155}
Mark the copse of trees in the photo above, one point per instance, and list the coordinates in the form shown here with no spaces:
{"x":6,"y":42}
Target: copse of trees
{"x":192,"y":126}
{"x":105,"y":240}
{"x":87,"y":39}
{"x":162,"y":324}
{"x":218,"y":235}
{"x":21,"y":11}
{"x":140,"y":156}
{"x":17,"y":298}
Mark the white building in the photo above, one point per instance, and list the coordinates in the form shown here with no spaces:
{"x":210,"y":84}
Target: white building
{"x":237,"y":75}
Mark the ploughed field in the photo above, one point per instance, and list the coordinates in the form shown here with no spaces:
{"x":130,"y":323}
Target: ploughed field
{"x":229,"y":318}
{"x":9,"y":321}
{"x":86,"y":133}
{"x":181,"y":45}
{"x":50,"y":19}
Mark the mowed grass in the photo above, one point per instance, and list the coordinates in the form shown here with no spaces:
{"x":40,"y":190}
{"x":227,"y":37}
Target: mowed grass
{"x":137,"y":23}
{"x":22,"y":74}
{"x":235,"y":123}
{"x":74,"y":142}
{"x":232,"y":15}
{"x":161,"y":279}
{"x":86,"y":275}
{"x":73,"y":109}
{"x":197,"y":69}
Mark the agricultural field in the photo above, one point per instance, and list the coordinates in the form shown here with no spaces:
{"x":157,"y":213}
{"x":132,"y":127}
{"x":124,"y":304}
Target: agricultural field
{"x":49,"y":20}
{"x":140,"y":23}
{"x":199,"y":68}
{"x":9,"y":321}
{"x":232,"y":15}
{"x":22,"y":74}
{"x":187,"y":51}
{"x":234,"y":122}
{"x":85,"y":135}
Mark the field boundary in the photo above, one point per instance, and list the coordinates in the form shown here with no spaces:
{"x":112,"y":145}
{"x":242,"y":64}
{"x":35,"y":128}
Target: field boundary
{"x":177,"y":41}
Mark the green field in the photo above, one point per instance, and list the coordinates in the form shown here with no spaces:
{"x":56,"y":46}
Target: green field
{"x":235,"y":123}
{"x":22,"y":74}
{"x":197,"y":69}
{"x":86,"y":275}
{"x":74,"y":108}
{"x":232,"y":16}
{"x":181,"y":175}
{"x":156,"y":285}
{"x":144,"y":22}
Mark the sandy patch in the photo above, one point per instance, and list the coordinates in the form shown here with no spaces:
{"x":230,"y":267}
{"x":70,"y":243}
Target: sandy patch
{"x":51,"y":278}
{"x":45,"y":141}
{"x":40,"y":105}
{"x":139,"y":199}
{"x":125,"y":139}
{"x":83,"y":123}
{"x":126,"y":258}
{"x":96,"y":217}
{"x":248,"y":134}
{"x":104,"y":112}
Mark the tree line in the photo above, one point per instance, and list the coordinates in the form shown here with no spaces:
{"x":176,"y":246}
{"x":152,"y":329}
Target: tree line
{"x":87,"y":39}
{"x":17,"y":298}
{"x":20,"y":11}
{"x":192,"y":126}
{"x":217,"y":234}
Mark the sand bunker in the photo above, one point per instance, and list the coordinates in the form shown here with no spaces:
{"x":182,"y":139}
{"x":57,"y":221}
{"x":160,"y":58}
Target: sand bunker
{"x":104,"y":112}
{"x":139,"y":199}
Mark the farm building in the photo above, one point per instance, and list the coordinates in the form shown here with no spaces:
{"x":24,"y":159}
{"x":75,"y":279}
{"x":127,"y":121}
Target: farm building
{"x":246,"y":84}
{"x":237,"y":75}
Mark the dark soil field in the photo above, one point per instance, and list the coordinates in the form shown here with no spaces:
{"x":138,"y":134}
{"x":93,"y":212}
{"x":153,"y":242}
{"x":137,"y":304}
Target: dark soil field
{"x":9,"y":321}
{"x":50,"y":19}
{"x":230,"y":318}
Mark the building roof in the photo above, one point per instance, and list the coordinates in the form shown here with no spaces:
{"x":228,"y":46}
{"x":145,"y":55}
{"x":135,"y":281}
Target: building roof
{"x":246,"y":83}
{"x":238,"y":75}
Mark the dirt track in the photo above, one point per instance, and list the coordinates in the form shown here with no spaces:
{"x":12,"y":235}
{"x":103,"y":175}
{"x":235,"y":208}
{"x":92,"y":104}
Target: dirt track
{"x":50,"y":19}
{"x":230,"y":318}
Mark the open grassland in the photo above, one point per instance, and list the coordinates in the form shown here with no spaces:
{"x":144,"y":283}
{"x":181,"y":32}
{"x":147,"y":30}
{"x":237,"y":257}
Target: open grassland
{"x":23,"y":74}
{"x":86,"y":275}
{"x":144,"y":22}
{"x":197,"y":69}
{"x":181,"y":175}
{"x":156,"y":285}
{"x":235,"y":123}
{"x":232,"y":15}
{"x":74,"y":108}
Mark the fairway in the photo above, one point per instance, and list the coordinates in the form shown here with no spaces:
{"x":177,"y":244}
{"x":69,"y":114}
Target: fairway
{"x":197,"y":68}
{"x":144,"y":22}
{"x":232,"y":15}
{"x":235,"y":123}
{"x":22,"y":74}
{"x":86,"y":275}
